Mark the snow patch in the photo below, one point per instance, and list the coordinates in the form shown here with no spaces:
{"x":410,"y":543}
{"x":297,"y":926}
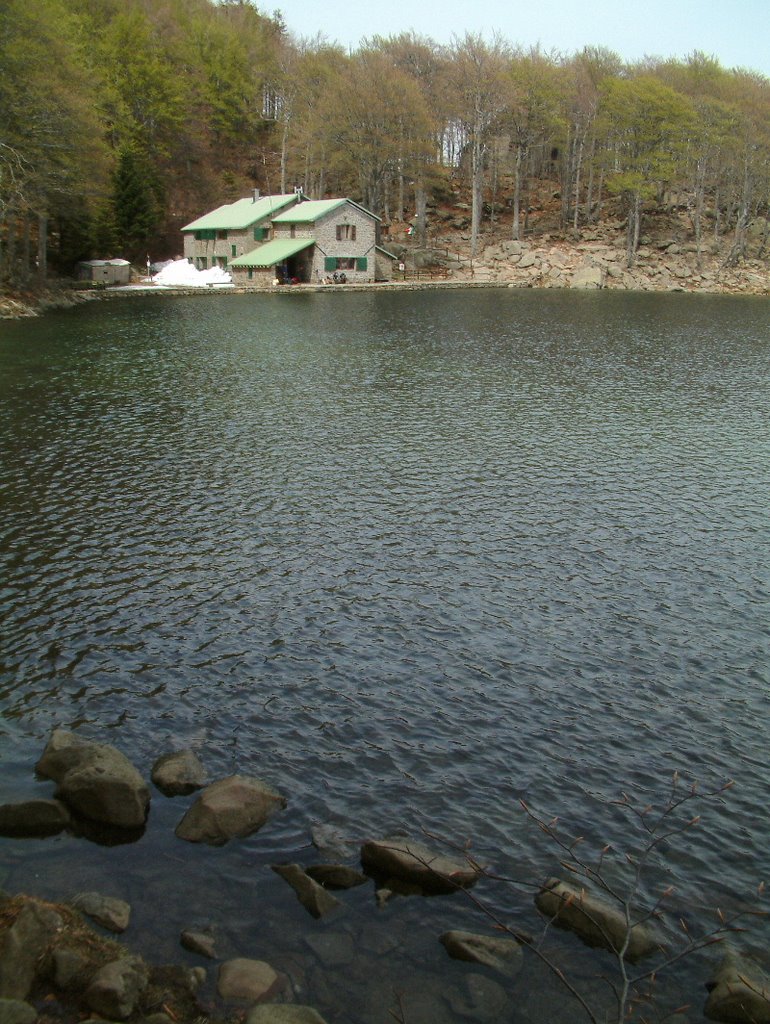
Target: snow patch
{"x":182,"y":274}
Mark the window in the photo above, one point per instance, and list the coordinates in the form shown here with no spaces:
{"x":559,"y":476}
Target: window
{"x":223,"y":261}
{"x":221,"y":234}
{"x":293,"y":231}
{"x":346,"y":232}
{"x":233,"y":251}
{"x":201,"y":263}
{"x":261,"y":234}
{"x":342,"y":263}
{"x":205,"y":235}
{"x":251,"y":273}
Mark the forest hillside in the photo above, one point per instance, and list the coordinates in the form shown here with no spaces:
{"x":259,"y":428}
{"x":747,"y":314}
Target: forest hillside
{"x":122,"y":120}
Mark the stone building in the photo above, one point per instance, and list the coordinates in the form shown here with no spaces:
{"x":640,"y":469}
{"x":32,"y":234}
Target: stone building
{"x":315,"y":241}
{"x":230,"y":231}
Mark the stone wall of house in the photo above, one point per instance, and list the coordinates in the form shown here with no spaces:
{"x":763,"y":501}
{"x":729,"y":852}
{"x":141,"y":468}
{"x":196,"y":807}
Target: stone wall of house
{"x":219,"y":251}
{"x":324,"y":231}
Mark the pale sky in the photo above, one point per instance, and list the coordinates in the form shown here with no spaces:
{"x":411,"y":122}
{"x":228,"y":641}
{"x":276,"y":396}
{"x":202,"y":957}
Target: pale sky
{"x":737,"y":32}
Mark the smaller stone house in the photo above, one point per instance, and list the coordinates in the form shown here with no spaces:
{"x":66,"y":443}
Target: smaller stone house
{"x":217,"y":238}
{"x":314,"y":240}
{"x":105,"y":272}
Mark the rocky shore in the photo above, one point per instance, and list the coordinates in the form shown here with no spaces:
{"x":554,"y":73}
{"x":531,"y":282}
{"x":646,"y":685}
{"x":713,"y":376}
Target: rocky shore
{"x":61,"y":961}
{"x":596,"y":260}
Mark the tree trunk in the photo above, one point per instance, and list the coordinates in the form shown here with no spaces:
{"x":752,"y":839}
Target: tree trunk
{"x":420,"y":209}
{"x":517,"y":194}
{"x":477,"y":189}
{"x":42,"y":247}
{"x":590,"y":189}
{"x":578,"y":168}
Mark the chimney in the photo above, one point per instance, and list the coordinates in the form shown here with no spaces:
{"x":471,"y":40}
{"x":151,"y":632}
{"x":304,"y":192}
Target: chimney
{"x":256,"y":195}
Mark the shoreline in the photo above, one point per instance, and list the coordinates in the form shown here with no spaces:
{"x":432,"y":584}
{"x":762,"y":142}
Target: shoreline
{"x":584,"y":268}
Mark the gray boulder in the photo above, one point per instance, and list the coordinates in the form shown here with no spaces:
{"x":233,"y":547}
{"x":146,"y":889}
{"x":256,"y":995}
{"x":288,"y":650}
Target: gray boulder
{"x":33,"y":818}
{"x":313,"y":897}
{"x":23,"y":945}
{"x":412,"y":862}
{"x":499,"y":953}
{"x":587,"y":277}
{"x":179,"y":773}
{"x":597,"y":921}
{"x":283,"y":1013}
{"x":116,"y":988}
{"x":202,"y":943}
{"x":15,"y":1011}
{"x":95,"y":780}
{"x":248,"y":980}
{"x":336,"y":876}
{"x":233,"y":807}
{"x":739,"y":993}
{"x":108,"y":911}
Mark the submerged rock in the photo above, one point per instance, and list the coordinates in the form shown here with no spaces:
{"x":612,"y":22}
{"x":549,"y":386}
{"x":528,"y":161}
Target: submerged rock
{"x":283,"y":1013}
{"x":33,"y":818}
{"x":597,"y":921}
{"x":248,"y":980}
{"x":178,"y":774}
{"x":313,"y":897}
{"x":414,"y":863}
{"x":202,"y":943}
{"x":233,"y":807}
{"x":336,"y":876}
{"x":95,"y":780}
{"x":739,"y":993}
{"x":499,"y":953}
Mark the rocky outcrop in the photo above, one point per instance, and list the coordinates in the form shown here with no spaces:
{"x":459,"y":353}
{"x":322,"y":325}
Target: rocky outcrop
{"x":95,"y":780}
{"x":313,"y":897}
{"x":178,"y":774}
{"x":412,"y":862}
{"x":499,"y":953}
{"x":33,"y":818}
{"x":597,"y":921}
{"x":739,"y":993}
{"x":233,"y":807}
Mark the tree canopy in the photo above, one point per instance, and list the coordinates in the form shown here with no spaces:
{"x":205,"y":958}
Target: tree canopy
{"x":121,"y":120}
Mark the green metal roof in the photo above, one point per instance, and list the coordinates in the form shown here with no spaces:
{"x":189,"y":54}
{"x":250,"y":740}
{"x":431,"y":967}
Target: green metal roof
{"x":240,"y":214}
{"x":270,"y":253}
{"x":313,"y":209}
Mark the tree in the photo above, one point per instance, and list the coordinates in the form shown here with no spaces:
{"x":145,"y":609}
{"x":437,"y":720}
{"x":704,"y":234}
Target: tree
{"x":477,"y":73}
{"x":646,"y":128}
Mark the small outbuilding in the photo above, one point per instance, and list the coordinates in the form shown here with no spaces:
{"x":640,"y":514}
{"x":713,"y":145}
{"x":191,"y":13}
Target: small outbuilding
{"x":105,"y":272}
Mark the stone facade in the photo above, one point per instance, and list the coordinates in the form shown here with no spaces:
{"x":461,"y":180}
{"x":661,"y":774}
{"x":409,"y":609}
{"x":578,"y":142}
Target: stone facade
{"x":345,"y":236}
{"x":232,"y":230}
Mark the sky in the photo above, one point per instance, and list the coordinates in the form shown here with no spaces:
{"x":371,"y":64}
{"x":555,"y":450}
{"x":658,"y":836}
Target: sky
{"x":736,"y":32}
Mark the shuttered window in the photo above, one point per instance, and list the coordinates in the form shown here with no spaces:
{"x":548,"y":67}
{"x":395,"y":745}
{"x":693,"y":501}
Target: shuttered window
{"x":361,"y":263}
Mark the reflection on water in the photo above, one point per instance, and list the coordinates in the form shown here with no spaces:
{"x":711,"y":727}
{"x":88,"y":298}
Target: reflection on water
{"x":410,"y":558}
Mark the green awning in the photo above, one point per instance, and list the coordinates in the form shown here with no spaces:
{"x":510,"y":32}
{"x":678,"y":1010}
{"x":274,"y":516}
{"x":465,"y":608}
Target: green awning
{"x":270,"y":253}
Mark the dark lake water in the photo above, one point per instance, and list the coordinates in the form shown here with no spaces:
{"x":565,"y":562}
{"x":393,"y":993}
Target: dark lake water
{"x":410,"y":558}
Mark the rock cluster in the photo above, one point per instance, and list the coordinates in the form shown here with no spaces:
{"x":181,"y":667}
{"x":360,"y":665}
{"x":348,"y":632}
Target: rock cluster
{"x":45,"y":946}
{"x":597,"y":261}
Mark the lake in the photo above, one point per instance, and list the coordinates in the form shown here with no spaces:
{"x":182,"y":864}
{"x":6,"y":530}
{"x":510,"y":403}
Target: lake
{"x":411,"y":558}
